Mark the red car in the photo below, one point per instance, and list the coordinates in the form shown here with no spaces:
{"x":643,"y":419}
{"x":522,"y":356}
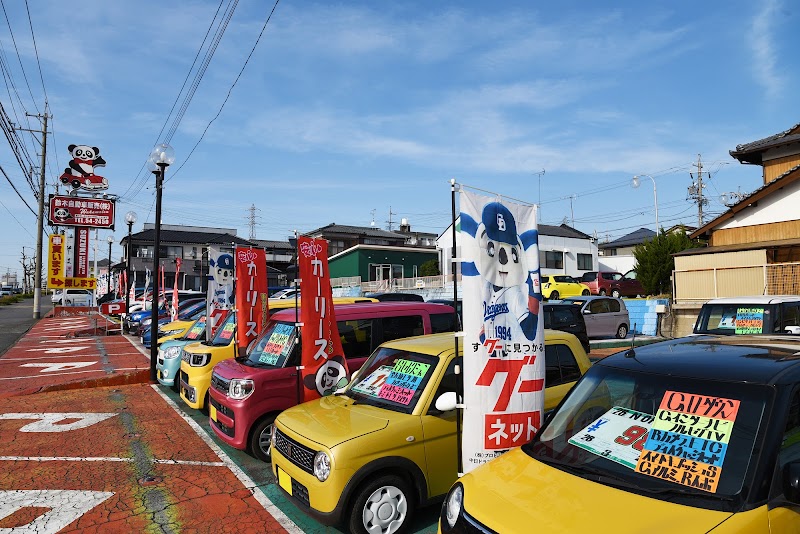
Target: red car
{"x":612,"y":283}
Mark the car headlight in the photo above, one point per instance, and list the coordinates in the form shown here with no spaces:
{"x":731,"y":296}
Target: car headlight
{"x":322,"y":466}
{"x":199,"y":360}
{"x":453,"y":504}
{"x":240,"y":388}
{"x":172,"y":353}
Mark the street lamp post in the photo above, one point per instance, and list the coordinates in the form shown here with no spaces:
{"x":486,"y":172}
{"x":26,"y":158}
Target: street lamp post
{"x":130,"y":218}
{"x":636,"y":182}
{"x":110,"y":240}
{"x":162,"y":157}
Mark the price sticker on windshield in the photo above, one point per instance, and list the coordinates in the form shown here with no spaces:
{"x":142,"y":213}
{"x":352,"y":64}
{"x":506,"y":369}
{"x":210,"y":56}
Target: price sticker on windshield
{"x":618,"y":435}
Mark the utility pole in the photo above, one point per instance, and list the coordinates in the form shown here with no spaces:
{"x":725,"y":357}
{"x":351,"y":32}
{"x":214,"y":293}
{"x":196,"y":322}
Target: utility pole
{"x":390,"y":219}
{"x":37,"y":277}
{"x":695,"y":191}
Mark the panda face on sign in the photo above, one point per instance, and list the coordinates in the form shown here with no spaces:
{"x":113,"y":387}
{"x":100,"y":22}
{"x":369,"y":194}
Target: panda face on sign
{"x":502,"y":260}
{"x":84,"y":152}
{"x":331,"y":376}
{"x":61,"y":214}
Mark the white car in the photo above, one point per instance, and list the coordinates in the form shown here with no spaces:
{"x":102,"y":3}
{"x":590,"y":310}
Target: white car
{"x":73,"y":297}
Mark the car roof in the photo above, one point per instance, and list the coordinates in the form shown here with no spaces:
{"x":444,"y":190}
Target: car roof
{"x":756,"y":299}
{"x":444,"y":342}
{"x":376,"y":307}
{"x":759,"y":359}
{"x":589,"y":297}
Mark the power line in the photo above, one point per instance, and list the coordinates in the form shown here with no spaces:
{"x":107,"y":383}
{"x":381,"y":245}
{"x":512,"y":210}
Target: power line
{"x":12,"y":215}
{"x":15,"y":189}
{"x":19,"y":57}
{"x":263,"y":28}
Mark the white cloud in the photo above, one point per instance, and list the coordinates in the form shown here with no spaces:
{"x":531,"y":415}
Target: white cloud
{"x":764,"y":50}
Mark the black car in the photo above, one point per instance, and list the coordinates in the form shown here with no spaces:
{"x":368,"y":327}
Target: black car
{"x":568,"y":318}
{"x":394,"y":297}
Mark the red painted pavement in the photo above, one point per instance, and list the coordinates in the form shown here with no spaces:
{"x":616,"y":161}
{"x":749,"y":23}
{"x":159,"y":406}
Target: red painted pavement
{"x":142,"y":464}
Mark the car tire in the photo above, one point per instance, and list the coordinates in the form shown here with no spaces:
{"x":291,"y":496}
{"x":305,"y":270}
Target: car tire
{"x":553,"y":295}
{"x":585,"y":292}
{"x":76,"y":184}
{"x":261,"y":436}
{"x":392,"y":496}
{"x":622,"y":331}
{"x":615,"y":293}
{"x":204,"y":406}
{"x":602,"y":293}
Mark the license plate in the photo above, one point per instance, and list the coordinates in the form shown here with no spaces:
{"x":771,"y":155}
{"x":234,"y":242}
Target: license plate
{"x":284,"y":480}
{"x":212,"y":412}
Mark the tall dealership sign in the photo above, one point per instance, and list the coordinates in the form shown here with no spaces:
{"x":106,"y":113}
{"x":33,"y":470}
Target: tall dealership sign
{"x":252,"y":305}
{"x":81,"y":212}
{"x":504,"y":365}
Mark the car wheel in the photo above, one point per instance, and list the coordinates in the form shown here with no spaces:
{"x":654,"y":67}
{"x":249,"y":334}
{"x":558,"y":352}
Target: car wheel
{"x":553,"y":295}
{"x":204,"y":407}
{"x":76,"y":184}
{"x":585,"y":292}
{"x":602,"y":292}
{"x":615,"y":293}
{"x":260,"y":445}
{"x":383,"y":506}
{"x":622,"y":331}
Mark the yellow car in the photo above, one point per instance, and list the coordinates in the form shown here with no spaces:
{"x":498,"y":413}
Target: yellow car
{"x":359,"y":458}
{"x":198,"y":359}
{"x":699,"y":434}
{"x":558,"y":286}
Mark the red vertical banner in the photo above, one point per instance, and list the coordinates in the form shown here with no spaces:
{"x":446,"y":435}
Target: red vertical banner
{"x":251,"y":294}
{"x":81,"y":253}
{"x":324,"y":365}
{"x":174,"y":311}
{"x":162,"y":289}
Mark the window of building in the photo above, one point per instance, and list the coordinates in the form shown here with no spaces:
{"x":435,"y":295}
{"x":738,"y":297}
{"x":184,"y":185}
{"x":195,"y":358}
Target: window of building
{"x":336,"y":246}
{"x":554,"y":259}
{"x":584,"y":262}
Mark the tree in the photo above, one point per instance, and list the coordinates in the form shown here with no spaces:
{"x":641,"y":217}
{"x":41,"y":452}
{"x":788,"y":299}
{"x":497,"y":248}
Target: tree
{"x":429,"y":268}
{"x":654,"y":261}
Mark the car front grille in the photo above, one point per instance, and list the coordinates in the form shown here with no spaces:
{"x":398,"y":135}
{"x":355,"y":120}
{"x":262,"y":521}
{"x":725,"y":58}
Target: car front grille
{"x":299,"y":455}
{"x":185,"y":356}
{"x":219,"y":383}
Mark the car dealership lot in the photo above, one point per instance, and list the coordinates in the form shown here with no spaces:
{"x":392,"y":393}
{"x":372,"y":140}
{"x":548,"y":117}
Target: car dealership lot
{"x":87,"y":444}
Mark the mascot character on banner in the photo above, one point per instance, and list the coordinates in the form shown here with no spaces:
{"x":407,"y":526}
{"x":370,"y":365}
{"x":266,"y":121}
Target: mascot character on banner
{"x":220,"y":287}
{"x":503,"y":336}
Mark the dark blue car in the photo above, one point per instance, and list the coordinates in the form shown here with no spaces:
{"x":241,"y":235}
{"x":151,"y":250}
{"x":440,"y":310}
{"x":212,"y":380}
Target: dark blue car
{"x":191,"y":312}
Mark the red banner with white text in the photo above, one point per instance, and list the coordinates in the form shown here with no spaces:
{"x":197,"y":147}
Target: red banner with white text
{"x":325,"y":368}
{"x":252,"y":292}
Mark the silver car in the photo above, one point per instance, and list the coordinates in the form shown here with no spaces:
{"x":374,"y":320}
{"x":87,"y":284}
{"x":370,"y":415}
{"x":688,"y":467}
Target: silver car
{"x":604,"y":316}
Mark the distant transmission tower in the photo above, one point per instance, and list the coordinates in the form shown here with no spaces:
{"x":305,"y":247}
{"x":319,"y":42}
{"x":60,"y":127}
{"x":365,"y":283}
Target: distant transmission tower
{"x":695,"y":191}
{"x":251,"y":220}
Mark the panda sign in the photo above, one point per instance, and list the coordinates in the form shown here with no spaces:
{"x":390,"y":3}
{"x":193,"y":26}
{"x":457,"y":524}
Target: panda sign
{"x":504,"y":365}
{"x":80,"y":172}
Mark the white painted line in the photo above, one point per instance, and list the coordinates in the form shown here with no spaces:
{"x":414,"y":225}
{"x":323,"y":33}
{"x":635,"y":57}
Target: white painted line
{"x":104,"y":459}
{"x":50,"y":357}
{"x":74,"y":373}
{"x":190,"y":462}
{"x":259,"y":495}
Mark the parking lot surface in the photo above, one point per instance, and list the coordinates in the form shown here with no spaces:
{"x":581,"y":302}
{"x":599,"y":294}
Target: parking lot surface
{"x":88,"y":444}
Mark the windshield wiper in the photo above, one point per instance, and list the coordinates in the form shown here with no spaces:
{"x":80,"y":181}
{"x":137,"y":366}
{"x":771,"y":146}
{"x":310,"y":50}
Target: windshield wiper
{"x":596,"y":474}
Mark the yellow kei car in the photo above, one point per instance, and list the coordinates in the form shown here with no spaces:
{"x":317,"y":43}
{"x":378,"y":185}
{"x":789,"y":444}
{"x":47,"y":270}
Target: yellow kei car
{"x":558,"y":286}
{"x":691,"y":435}
{"x":361,"y":458}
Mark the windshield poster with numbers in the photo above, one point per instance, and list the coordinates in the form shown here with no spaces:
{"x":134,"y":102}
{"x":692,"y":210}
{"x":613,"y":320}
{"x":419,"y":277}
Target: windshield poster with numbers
{"x":618,"y":435}
{"x":503,"y":336}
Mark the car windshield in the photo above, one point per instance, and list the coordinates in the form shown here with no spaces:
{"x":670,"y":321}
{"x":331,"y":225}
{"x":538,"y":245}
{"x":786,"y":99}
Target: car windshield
{"x":393,"y":379}
{"x":274,"y":346}
{"x":679,"y":439}
{"x":564,"y":279}
{"x":737,"y":319}
{"x":197,"y":330}
{"x":225,"y":332}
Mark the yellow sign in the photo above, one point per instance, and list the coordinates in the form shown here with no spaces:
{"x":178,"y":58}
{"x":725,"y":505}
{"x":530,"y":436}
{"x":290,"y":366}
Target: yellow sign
{"x":55,"y":265}
{"x":62,"y":282}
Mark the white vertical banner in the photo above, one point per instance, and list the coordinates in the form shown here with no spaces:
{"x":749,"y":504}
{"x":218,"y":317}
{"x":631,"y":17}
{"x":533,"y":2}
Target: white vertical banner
{"x":69,"y":255}
{"x":220,"y":287}
{"x":504,"y":365}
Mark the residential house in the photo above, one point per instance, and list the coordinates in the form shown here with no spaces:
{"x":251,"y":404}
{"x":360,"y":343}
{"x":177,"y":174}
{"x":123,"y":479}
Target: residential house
{"x":754,"y":246}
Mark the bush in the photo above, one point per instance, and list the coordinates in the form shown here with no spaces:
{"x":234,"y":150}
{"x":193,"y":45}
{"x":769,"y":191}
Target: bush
{"x":429,"y":268}
{"x":654,"y":261}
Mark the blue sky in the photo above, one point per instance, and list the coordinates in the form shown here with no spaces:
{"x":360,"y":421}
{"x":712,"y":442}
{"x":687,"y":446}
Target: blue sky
{"x":349,"y":107}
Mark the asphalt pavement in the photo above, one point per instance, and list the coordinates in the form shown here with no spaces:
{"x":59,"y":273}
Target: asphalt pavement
{"x":17,"y":318}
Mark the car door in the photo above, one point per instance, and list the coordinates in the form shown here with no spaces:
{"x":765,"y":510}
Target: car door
{"x":594,"y":319}
{"x":439,"y":432}
{"x":629,"y":285}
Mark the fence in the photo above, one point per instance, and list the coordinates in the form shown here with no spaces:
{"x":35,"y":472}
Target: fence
{"x":707,"y":283}
{"x":396,"y":284}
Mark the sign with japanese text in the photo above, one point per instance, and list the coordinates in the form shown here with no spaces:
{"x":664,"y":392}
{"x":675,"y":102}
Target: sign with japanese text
{"x":220,"y":287}
{"x":78,"y":211}
{"x":325,"y":368}
{"x":55,"y":264}
{"x":503,"y":337}
{"x":173,"y":312}
{"x":749,"y":321}
{"x":251,"y":285}
{"x":81,"y":264}
{"x":618,"y":435}
{"x":689,"y":439}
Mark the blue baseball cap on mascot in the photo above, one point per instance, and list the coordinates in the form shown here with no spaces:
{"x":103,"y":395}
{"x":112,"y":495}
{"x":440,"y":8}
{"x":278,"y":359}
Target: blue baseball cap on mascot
{"x":499,"y":223}
{"x":225,"y":261}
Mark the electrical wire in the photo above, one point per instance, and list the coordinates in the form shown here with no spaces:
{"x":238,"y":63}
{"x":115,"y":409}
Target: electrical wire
{"x":19,"y":57}
{"x":16,"y":190}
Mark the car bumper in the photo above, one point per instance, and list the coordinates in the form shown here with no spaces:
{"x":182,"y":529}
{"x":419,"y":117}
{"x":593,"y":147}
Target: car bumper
{"x":167,"y":370}
{"x":232,"y":423}
{"x":194,"y":389}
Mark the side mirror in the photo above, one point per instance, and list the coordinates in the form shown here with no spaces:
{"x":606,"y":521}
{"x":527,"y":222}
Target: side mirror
{"x":587,"y":311}
{"x":791,"y":482}
{"x":446,"y":401}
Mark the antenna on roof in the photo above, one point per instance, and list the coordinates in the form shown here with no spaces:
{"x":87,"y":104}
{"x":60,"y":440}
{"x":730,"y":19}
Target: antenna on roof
{"x":372,"y":211}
